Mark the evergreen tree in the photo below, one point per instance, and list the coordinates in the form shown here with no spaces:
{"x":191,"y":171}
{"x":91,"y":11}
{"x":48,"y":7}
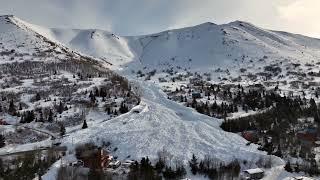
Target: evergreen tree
{"x":50,"y":116}
{"x":194,"y":164}
{"x":29,"y":117}
{"x":287,"y":167}
{"x":108,"y":110}
{"x":123,"y":108}
{"x":60,"y":108}
{"x":95,"y":174}
{"x":2,"y":141}
{"x":12,"y":108}
{"x":84,"y":125}
{"x":62,"y":130}
{"x":41,"y":119}
{"x":38,"y":97}
{"x":92,"y":97}
{"x":2,"y":171}
{"x":146,"y":169}
{"x":22,"y":119}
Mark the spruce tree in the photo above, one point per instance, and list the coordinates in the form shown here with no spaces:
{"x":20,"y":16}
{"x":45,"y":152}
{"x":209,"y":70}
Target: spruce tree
{"x":50,"y":116}
{"x":84,"y":126}
{"x":2,"y":141}
{"x":62,"y":130}
{"x":12,"y":108}
{"x":38,"y":97}
{"x":41,"y":119}
{"x":287,"y":167}
{"x":60,"y":108}
{"x":194,"y":164}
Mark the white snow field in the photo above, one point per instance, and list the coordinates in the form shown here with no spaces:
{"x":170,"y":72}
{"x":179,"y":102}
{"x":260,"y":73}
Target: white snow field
{"x":164,"y":124}
{"x":204,"y":47}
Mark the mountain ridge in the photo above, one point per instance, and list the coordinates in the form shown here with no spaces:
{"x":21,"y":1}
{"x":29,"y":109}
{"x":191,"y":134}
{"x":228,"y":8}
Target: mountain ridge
{"x":214,"y":42}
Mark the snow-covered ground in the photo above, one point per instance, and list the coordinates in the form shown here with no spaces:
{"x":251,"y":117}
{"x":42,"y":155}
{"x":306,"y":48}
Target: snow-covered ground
{"x":204,"y":47}
{"x":163,"y":124}
{"x":159,"y":123}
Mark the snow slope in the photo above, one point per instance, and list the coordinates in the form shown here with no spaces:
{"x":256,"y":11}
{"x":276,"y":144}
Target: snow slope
{"x":97,"y":43}
{"x":203,"y":47}
{"x":164,"y":124}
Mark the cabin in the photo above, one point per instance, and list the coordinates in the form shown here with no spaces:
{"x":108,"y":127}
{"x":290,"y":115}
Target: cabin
{"x":95,"y":158}
{"x":253,"y":174}
{"x":251,"y":136}
{"x":308,"y":136}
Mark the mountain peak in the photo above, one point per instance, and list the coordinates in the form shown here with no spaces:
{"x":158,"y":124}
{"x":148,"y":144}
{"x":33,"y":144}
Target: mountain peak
{"x":241,"y":23}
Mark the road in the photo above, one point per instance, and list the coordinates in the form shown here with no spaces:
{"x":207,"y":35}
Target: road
{"x":55,"y":148}
{"x":40,"y":131}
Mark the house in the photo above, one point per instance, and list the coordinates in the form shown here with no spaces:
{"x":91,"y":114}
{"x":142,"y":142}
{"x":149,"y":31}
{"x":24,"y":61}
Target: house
{"x":97,"y":158}
{"x":308,"y":136}
{"x":3,"y":122}
{"x":253,"y":174}
{"x":250,"y":136}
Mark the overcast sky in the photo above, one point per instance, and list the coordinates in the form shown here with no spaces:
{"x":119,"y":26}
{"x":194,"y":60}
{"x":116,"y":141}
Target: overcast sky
{"x":133,"y":17}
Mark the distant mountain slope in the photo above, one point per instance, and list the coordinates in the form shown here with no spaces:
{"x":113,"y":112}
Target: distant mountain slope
{"x":37,"y":73}
{"x":204,"y":47}
{"x":21,"y":41}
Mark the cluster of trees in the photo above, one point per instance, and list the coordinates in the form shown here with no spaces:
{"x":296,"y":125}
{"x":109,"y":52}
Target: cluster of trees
{"x":278,"y":126}
{"x":214,"y":169}
{"x":310,"y":168}
{"x":280,"y":117}
{"x":27,"y":117}
{"x":214,"y":109}
{"x":255,"y":98}
{"x":28,"y":166}
{"x":145,"y":170}
{"x":208,"y":167}
{"x":85,"y":69}
{"x":2,"y":141}
{"x":40,"y":114}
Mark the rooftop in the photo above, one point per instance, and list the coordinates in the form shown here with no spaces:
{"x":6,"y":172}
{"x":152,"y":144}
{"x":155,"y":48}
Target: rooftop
{"x":254,"y":171}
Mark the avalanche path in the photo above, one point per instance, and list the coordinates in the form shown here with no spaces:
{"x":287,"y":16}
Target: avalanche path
{"x":164,"y":124}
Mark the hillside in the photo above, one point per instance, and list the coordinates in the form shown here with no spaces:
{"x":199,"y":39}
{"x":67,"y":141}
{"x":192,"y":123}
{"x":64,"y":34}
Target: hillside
{"x":204,"y":47}
{"x":47,"y":88}
{"x":56,"y":80}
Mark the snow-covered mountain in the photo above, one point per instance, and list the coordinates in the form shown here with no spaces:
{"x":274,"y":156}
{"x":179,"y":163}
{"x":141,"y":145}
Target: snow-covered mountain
{"x":159,"y":123}
{"x":204,"y":47}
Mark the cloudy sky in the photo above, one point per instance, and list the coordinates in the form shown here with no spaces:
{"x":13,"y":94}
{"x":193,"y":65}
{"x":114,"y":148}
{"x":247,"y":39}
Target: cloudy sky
{"x":132,"y":17}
